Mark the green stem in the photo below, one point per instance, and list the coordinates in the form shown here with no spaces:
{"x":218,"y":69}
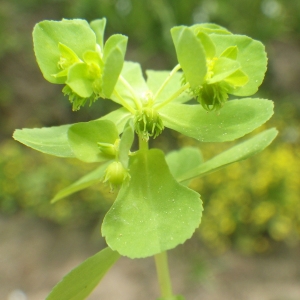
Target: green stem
{"x":123,"y":102}
{"x":174,"y":96}
{"x":131,"y":90}
{"x":143,"y":145}
{"x":174,"y":71}
{"x":163,"y":274}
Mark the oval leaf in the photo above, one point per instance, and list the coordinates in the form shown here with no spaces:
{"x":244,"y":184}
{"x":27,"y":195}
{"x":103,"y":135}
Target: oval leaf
{"x":81,"y":281}
{"x":234,"y":120}
{"x":153,"y":212}
{"x":84,"y":139}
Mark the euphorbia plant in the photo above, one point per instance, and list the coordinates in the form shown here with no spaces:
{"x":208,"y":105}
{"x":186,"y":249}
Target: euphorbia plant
{"x":154,"y":210}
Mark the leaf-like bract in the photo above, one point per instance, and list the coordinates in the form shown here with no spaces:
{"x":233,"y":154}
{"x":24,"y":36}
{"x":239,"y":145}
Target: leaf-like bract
{"x":235,"y":119}
{"x":153,"y":212}
{"x":46,"y":38}
{"x":251,"y":56}
{"x":190,"y":55}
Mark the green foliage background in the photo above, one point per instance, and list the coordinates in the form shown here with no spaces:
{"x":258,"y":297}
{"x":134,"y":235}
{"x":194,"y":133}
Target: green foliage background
{"x":252,"y":205}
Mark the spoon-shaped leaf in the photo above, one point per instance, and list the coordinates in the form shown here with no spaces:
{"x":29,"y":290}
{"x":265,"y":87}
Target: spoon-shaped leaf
{"x":153,"y":212}
{"x":235,"y":119}
{"x":81,"y":281}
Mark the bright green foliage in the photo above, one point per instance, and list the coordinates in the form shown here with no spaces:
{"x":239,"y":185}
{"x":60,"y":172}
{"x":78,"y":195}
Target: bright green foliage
{"x":53,"y":140}
{"x":190,"y":54}
{"x":183,"y":160}
{"x":84,"y":139}
{"x":153,"y":212}
{"x":224,"y":64}
{"x":237,"y":118}
{"x":88,"y":69}
{"x":81,"y":281}
{"x":234,"y":154}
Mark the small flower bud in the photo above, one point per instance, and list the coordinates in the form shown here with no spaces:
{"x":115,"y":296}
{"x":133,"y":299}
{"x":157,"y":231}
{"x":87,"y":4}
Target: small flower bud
{"x":109,"y":149}
{"x":116,"y":174}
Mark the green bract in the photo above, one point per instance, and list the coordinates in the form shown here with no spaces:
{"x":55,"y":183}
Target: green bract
{"x":89,"y":69}
{"x":225,"y":63}
{"x":154,"y":210}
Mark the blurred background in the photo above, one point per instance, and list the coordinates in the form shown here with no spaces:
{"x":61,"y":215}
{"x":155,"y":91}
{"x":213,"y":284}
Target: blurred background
{"x":250,"y":231}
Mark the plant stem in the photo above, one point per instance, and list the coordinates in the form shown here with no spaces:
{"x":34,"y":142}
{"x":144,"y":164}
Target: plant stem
{"x":175,"y":95}
{"x":162,"y":268}
{"x":132,"y":92}
{"x":143,"y":145}
{"x":175,"y":69}
{"x":123,"y":102}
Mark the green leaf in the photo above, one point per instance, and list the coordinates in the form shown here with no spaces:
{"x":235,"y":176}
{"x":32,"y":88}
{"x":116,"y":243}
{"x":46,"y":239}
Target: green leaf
{"x":83,"y":183}
{"x":132,"y":73}
{"x":208,"y":45}
{"x":81,"y":281}
{"x":183,"y":160}
{"x":46,"y":38}
{"x":232,"y":155}
{"x":234,"y":120}
{"x":52,"y":140}
{"x":98,"y":27}
{"x":83,"y":139}
{"x":251,"y":56}
{"x":78,"y":80}
{"x":231,"y":52}
{"x":190,"y":55}
{"x":119,"y":117}
{"x":153,"y":212}
{"x":236,"y":79}
{"x":126,"y":143}
{"x":113,"y":58}
{"x":156,"y":78}
{"x":210,"y":28}
{"x":223,"y":68}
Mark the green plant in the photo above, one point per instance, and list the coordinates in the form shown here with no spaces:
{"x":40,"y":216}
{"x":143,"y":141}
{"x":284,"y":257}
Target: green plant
{"x":154,"y":210}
